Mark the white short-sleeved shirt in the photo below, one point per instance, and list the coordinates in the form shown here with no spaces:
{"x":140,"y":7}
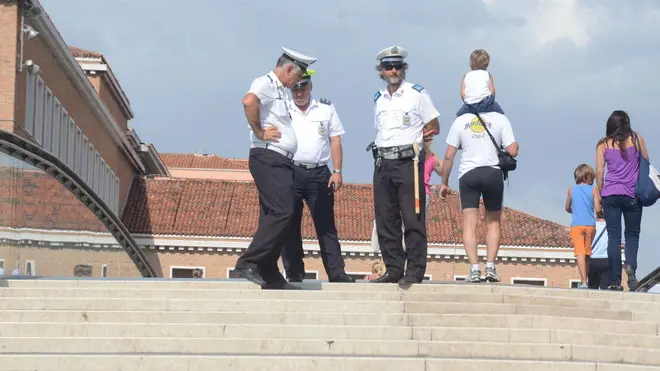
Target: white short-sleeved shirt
{"x":400,"y":117}
{"x":599,"y":249}
{"x":313,"y":128}
{"x":477,"y":86}
{"x":478,"y":149}
{"x":274,"y":110}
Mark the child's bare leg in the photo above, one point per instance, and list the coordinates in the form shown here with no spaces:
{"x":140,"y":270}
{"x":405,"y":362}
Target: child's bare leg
{"x":582,"y":267}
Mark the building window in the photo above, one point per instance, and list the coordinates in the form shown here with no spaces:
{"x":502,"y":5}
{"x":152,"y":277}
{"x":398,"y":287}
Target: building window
{"x":78,"y":151}
{"x":90,"y":163}
{"x":187,"y":272}
{"x":311,"y":275}
{"x":460,"y":278}
{"x":97,"y":173}
{"x":529,"y":281}
{"x":64,"y":135}
{"x":39,"y":112}
{"x":231,"y":273}
{"x":30,"y":268}
{"x":57,"y":131}
{"x":2,"y":267}
{"x":117,"y":193}
{"x":72,"y":144}
{"x":427,"y":277}
{"x":29,"y":104}
{"x":104,"y":270}
{"x":48,"y":121}
{"x":84,"y":156}
{"x":573,"y":283}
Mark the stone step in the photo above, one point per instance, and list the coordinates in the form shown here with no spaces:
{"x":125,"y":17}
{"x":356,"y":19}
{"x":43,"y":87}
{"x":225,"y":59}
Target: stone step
{"x":344,"y":347}
{"x":375,"y":319}
{"x":235,"y":284}
{"x":194,"y":293}
{"x":319,"y":306}
{"x":297,"y":331}
{"x":194,"y":362}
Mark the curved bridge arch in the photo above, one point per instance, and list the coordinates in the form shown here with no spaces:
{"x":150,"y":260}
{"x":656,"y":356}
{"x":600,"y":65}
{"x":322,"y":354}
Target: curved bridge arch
{"x":34,"y":155}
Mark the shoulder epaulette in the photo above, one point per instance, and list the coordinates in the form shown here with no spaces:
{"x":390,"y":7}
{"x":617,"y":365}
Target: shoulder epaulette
{"x":418,"y":88}
{"x":270,"y":78}
{"x":377,"y":96}
{"x":325,"y":101}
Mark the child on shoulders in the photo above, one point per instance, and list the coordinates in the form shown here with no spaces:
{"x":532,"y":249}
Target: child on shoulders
{"x":582,"y":201}
{"x":477,"y":86}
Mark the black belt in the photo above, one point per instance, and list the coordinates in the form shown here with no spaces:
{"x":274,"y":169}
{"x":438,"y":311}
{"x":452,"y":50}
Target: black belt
{"x":396,"y":152}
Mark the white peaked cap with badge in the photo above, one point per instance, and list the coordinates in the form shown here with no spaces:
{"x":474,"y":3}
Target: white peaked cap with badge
{"x":301,"y":60}
{"x":392,"y":54}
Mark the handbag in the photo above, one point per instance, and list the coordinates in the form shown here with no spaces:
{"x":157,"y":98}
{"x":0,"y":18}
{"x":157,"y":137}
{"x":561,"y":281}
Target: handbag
{"x":648,"y":180}
{"x":506,"y":161}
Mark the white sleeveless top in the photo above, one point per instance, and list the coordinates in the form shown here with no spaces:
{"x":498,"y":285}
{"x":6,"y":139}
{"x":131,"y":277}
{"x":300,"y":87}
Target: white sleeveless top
{"x":477,"y":85}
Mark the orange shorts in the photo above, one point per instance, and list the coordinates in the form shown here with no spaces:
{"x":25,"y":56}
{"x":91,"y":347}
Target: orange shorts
{"x":582,"y":237}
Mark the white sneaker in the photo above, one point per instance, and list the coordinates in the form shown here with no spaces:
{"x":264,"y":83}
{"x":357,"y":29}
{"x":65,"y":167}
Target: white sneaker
{"x":491,"y":275}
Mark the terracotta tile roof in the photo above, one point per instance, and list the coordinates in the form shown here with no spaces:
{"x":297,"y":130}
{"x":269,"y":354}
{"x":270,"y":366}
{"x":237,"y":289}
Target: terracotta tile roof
{"x":231,"y":208}
{"x":33,"y":199}
{"x":82,"y":53}
{"x":198,"y":161}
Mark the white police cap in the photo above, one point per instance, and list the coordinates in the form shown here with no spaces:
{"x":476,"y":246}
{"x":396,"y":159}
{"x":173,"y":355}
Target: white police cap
{"x":392,"y":54}
{"x":301,"y":60}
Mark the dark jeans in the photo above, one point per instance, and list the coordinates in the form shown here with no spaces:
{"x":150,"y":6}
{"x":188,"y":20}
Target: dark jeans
{"x":487,"y":105}
{"x":614,"y":207}
{"x":273,"y":176}
{"x":394,"y":198}
{"x":599,"y":275}
{"x":311,"y":185}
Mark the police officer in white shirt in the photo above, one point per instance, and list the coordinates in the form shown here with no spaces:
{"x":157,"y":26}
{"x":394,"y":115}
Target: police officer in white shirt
{"x":273,"y":144}
{"x":404,"y":115}
{"x":479,"y":176}
{"x":318,"y":129}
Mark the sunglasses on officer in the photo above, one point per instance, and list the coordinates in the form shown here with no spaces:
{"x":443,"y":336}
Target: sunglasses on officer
{"x":301,"y":85}
{"x":391,"y":66}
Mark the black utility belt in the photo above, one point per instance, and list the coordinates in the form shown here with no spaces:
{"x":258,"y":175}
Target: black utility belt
{"x":396,"y":153}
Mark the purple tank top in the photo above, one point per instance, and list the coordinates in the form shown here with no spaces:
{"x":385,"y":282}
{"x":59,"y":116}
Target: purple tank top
{"x":621,"y":176}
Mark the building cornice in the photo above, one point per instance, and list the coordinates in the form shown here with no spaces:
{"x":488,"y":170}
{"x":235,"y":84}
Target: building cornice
{"x":51,"y":36}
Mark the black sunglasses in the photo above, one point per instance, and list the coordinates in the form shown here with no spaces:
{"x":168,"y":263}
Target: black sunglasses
{"x":391,"y":66}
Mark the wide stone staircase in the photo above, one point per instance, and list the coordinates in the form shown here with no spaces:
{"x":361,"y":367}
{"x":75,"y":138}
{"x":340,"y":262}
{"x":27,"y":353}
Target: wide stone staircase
{"x":94,"y":324}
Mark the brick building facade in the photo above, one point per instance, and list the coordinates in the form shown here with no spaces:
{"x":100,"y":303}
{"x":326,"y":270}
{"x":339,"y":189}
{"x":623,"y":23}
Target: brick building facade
{"x":183,"y":211}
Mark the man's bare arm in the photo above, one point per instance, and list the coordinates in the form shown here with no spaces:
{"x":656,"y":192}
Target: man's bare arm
{"x":251,"y":108}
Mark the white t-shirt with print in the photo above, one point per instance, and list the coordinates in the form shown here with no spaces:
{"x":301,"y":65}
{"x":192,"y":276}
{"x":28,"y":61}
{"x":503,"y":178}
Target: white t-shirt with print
{"x":478,"y":149}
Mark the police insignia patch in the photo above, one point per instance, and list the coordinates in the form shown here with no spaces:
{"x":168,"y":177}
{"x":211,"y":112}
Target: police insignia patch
{"x":376,"y":96}
{"x":418,"y":88}
{"x":322,"y":130}
{"x":325,"y":101}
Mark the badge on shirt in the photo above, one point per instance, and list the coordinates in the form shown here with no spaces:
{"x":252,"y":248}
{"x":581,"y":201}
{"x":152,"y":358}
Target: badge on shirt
{"x":322,"y":130}
{"x":406,"y":119}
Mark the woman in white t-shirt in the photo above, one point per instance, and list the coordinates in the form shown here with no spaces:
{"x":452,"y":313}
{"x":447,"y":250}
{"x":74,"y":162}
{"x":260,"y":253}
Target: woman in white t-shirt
{"x":479,"y":175}
{"x":478,"y":87}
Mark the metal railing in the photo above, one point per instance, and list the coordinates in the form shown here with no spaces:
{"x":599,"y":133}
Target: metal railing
{"x":36,"y":156}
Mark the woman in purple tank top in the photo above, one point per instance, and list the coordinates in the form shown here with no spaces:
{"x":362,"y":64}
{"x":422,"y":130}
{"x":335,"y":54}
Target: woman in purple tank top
{"x":619,"y":153}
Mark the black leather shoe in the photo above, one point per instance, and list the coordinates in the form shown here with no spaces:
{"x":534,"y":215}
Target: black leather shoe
{"x":294,"y":279}
{"x":387,"y":278}
{"x":408,"y":280}
{"x":280,"y":285}
{"x":251,"y":275}
{"x":343,"y":278}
